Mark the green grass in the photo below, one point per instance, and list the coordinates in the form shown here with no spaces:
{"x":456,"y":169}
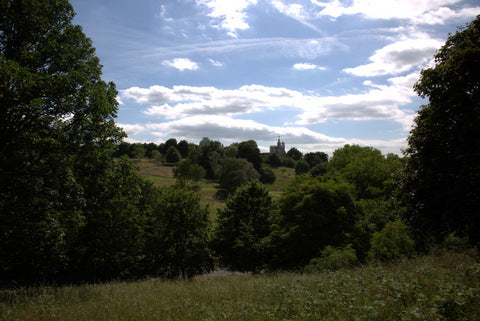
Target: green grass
{"x":445,"y":287}
{"x":162,"y":176}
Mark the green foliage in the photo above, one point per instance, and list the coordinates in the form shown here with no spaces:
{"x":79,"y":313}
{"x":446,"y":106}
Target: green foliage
{"x":235,"y":172}
{"x":173,"y":155}
{"x":316,"y":158}
{"x":58,"y":135}
{"x":302,"y":167}
{"x":366,"y":168}
{"x":313,"y":214}
{"x":186,"y":172}
{"x":268,"y":176}
{"x":180,"y":232}
{"x":295,"y":154}
{"x":392,"y":242}
{"x":211,"y":153}
{"x":334,"y":259}
{"x":273,"y":160}
{"x":441,"y":187}
{"x":183,"y":148}
{"x":242,"y":225}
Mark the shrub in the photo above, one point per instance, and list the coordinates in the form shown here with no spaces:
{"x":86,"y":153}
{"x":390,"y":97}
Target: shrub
{"x":334,"y":259}
{"x":392,"y":242}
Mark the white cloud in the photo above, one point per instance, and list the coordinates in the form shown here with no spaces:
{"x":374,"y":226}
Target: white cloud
{"x":231,"y":14}
{"x":132,"y":129}
{"x":230,"y":130}
{"x":377,"y":102}
{"x":307,"y":66}
{"x":418,"y":11}
{"x":398,"y":57}
{"x":295,"y":11}
{"x":215,"y":63}
{"x":181,"y":64}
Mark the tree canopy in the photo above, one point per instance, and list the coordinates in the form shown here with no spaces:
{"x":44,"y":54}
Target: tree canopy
{"x":442,"y":180}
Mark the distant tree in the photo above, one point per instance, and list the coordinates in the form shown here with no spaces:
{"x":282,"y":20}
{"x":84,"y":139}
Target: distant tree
{"x":274,"y":160}
{"x":149,"y":148}
{"x":211,"y":153}
{"x":172,"y":142}
{"x":288,"y":162}
{"x":302,"y":167}
{"x":186,"y":172}
{"x":194,"y":153}
{"x":204,"y":141}
{"x":180,"y":234}
{"x":319,"y":169}
{"x":315,"y":158}
{"x":313,"y":214}
{"x":249,"y":151}
{"x":235,"y":172}
{"x":173,"y":155}
{"x":242,"y":225}
{"x":232,"y":150}
{"x":157,"y":156}
{"x":268,"y":176}
{"x":138,"y":151}
{"x":183,"y":147}
{"x":295,"y":154}
{"x":442,"y":180}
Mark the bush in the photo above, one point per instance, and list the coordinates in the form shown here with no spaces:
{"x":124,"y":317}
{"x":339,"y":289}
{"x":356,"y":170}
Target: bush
{"x":392,"y":242}
{"x":334,"y":259}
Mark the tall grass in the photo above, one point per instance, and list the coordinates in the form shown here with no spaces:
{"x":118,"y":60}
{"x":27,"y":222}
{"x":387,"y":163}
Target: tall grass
{"x":445,"y":287}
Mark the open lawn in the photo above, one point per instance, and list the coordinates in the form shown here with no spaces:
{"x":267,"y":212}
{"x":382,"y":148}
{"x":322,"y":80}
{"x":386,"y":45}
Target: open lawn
{"x":445,"y":287}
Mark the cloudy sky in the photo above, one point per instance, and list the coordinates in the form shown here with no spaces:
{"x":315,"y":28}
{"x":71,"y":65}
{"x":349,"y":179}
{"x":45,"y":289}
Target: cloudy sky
{"x":320,"y":74}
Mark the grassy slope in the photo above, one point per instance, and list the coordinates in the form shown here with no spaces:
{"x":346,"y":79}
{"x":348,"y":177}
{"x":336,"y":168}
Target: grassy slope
{"x":426,"y":288}
{"x":163,"y":176}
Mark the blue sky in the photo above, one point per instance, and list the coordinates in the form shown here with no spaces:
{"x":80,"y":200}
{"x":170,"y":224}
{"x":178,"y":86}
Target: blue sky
{"x":319,"y":74}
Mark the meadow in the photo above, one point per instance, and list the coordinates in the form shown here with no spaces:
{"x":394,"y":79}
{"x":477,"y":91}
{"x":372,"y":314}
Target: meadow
{"x":162,"y":176}
{"x":435,"y":287}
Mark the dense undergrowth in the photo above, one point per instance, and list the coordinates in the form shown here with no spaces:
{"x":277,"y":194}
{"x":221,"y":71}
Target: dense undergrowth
{"x":433,"y":287}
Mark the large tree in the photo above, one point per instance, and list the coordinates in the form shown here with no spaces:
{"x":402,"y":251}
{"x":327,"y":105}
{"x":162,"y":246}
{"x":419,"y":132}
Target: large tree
{"x":442,"y":179}
{"x":57,"y":135}
{"x":242,"y":225}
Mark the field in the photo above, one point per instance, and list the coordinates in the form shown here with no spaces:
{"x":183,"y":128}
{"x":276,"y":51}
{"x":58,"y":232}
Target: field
{"x":162,"y":176}
{"x":444,"y":287}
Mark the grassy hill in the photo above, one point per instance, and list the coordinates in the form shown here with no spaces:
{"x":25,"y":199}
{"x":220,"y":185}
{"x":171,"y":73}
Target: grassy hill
{"x":162,"y":176}
{"x":445,"y":287}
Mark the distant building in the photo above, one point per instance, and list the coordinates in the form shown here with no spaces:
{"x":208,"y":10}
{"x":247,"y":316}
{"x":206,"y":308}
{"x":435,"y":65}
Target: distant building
{"x":279,"y":149}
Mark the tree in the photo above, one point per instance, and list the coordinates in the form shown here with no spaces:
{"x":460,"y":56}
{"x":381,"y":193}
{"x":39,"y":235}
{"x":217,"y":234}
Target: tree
{"x":57,"y":136}
{"x":242,"y":225}
{"x":274,"y":160}
{"x":211,"y":152}
{"x":313,"y":214}
{"x":442,"y":180}
{"x":235,"y":172}
{"x":249,"y":151}
{"x":301,"y":167}
{"x":183,"y":147}
{"x":366,"y":168}
{"x":180,"y":235}
{"x":316,"y":158}
{"x":295,"y":154}
{"x":186,"y":171}
{"x":173,"y":155}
